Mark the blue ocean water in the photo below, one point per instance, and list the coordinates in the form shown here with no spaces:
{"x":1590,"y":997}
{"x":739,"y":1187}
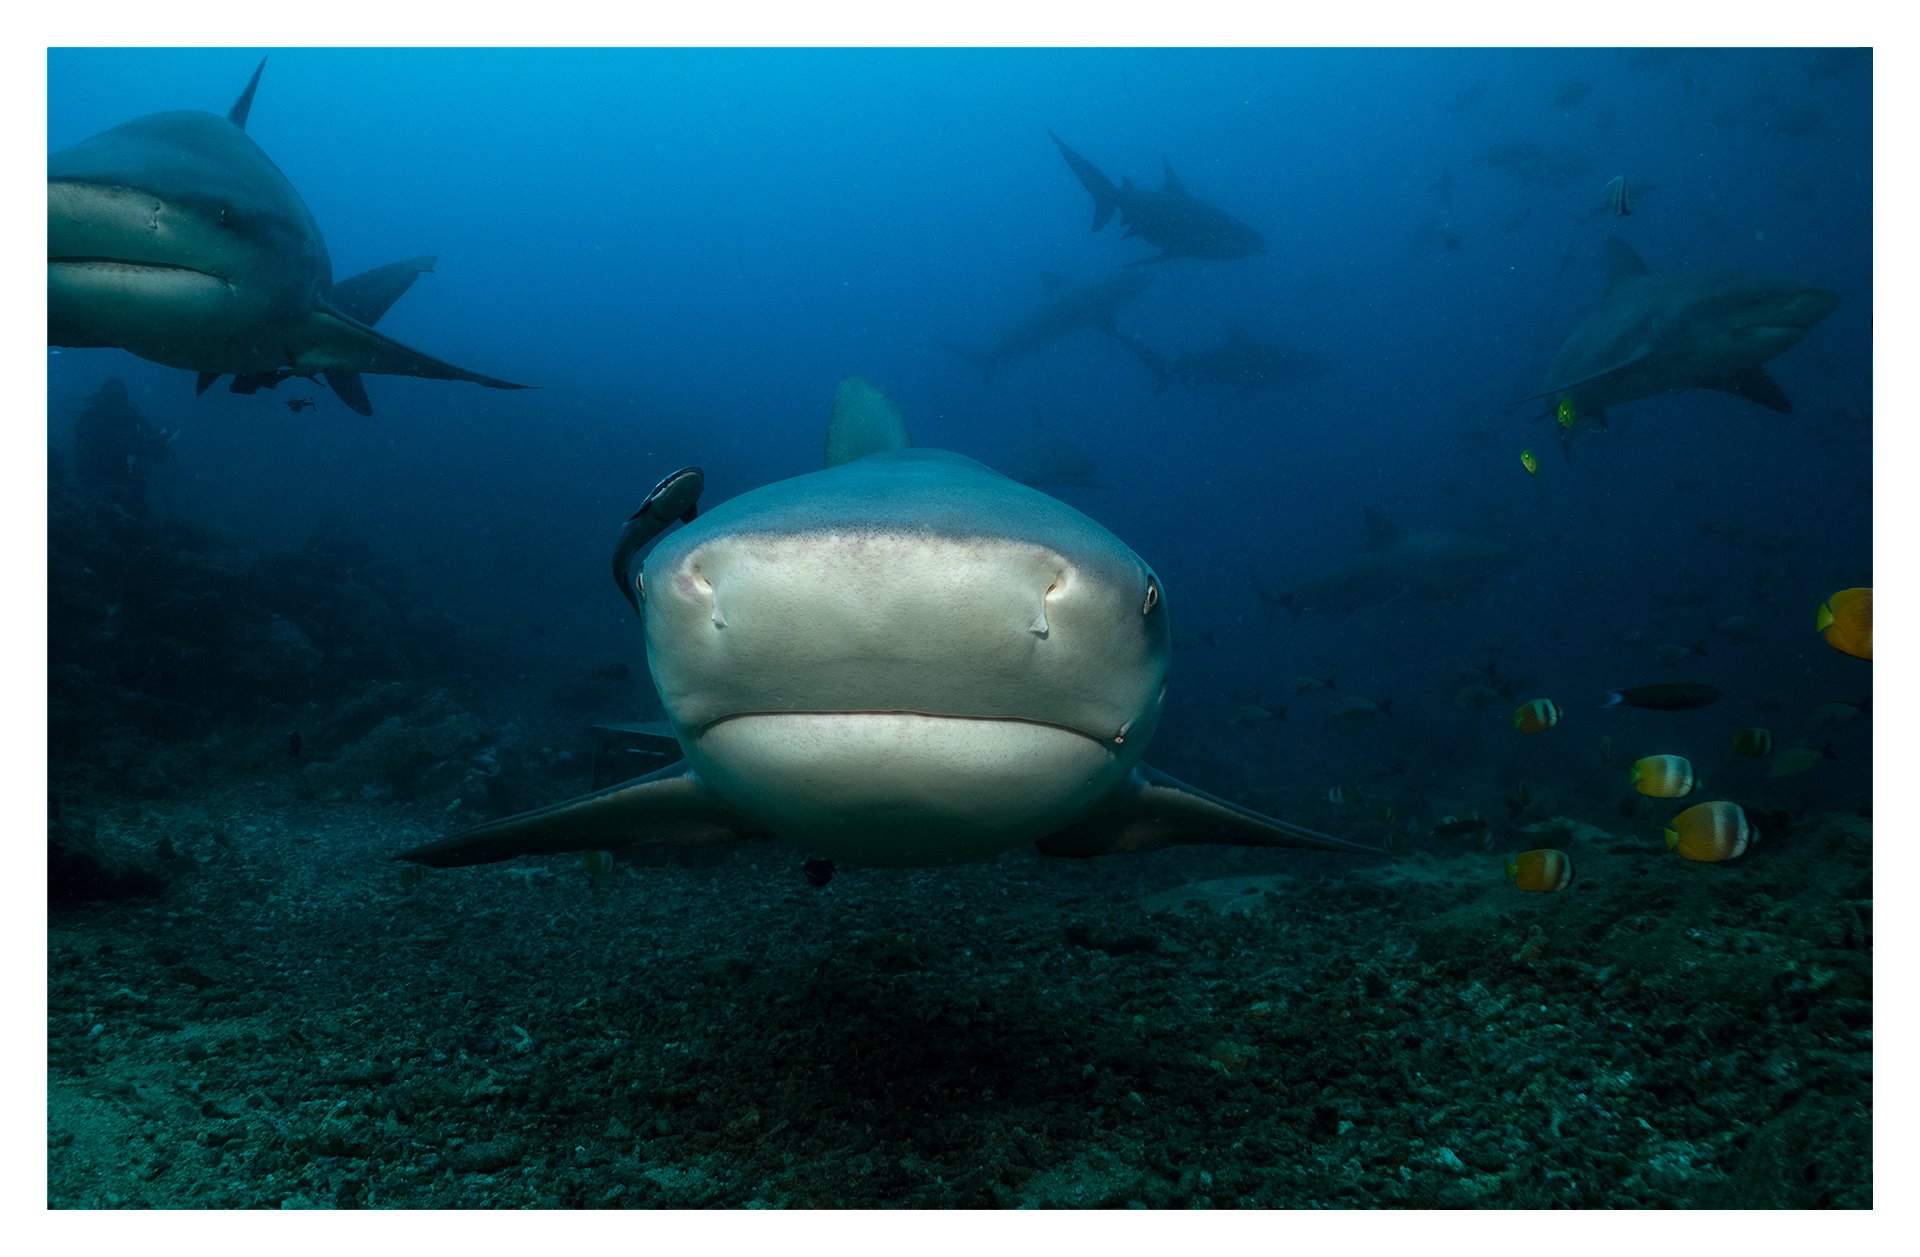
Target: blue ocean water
{"x":685,"y":250}
{"x":312,"y":638}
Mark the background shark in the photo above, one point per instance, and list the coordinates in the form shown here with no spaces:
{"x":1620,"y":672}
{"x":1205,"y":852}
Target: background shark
{"x":1661,"y":333}
{"x":904,"y":660}
{"x":176,"y":238}
{"x":1238,"y":362}
{"x":1181,"y":224}
{"x":1066,"y":306}
{"x":1422,"y":566}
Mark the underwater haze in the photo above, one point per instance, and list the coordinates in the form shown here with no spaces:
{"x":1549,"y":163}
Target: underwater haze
{"x":1398,"y":478}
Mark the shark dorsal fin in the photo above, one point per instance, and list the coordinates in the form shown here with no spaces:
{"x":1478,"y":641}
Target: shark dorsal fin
{"x":242,"y":107}
{"x":1381,"y":531}
{"x":1051,"y":282}
{"x":1623,"y":263}
{"x":1169,"y":181}
{"x":864,"y":422}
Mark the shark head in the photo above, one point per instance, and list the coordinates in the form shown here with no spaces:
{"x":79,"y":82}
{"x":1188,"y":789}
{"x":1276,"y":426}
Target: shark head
{"x":917,"y":610}
{"x":173,"y":234}
{"x":176,"y":238}
{"x":1738,"y":320}
{"x":904,"y":660}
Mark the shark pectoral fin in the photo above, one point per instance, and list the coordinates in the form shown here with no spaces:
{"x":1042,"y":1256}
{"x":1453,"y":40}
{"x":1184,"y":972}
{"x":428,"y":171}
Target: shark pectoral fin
{"x":670,"y":808}
{"x":1756,"y":386}
{"x":1633,"y":359}
{"x":370,"y":294}
{"x":333,"y":340}
{"x":1106,"y":198}
{"x":1151,"y":810}
{"x":347,"y":387}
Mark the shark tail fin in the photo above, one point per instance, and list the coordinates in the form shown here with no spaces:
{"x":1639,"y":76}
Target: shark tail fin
{"x":864,"y":422}
{"x":1106,"y":197}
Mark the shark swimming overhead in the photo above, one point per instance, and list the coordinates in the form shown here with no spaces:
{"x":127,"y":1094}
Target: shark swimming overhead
{"x":1066,"y":305}
{"x":1662,"y":333}
{"x":1181,"y":224}
{"x":1239,"y":362}
{"x":903,"y":660}
{"x":176,"y":238}
{"x":1397,"y":564}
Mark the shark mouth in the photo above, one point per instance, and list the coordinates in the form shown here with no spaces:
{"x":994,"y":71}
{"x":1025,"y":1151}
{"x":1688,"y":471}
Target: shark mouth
{"x":1114,"y":738}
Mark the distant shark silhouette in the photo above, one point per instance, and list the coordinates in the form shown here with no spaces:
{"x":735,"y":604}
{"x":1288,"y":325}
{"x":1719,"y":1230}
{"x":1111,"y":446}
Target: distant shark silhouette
{"x":1663,"y":333}
{"x":1182,"y":225}
{"x":1045,"y":459}
{"x":174,"y":237}
{"x":1065,"y":306}
{"x":1239,"y":362}
{"x":1422,"y":566}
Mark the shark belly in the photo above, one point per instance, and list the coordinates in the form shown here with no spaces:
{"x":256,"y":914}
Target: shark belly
{"x":901,"y":789}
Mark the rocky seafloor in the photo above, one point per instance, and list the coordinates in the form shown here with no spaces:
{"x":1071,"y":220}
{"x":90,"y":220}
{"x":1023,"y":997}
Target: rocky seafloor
{"x":288,"y":1025}
{"x":250,"y":1007}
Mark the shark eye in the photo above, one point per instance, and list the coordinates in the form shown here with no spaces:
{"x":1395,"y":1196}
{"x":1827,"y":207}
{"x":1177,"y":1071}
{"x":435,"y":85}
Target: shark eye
{"x":1153,"y":596}
{"x":226,"y":217}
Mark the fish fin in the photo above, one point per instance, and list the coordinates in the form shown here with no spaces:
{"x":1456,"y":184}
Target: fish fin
{"x":1615,"y":698}
{"x":1756,"y":386}
{"x":1381,"y":531}
{"x":1170,"y":182}
{"x":864,"y":422}
{"x":244,"y":106}
{"x":669,"y":808}
{"x":204,"y":381}
{"x":370,"y":294}
{"x":1106,"y":197}
{"x":1623,"y":263}
{"x":347,"y":387}
{"x":335,"y":341}
{"x":1633,"y":359}
{"x":1150,"y":810}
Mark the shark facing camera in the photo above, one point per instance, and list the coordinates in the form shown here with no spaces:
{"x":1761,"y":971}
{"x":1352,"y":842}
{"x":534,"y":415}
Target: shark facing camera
{"x":903,"y":660}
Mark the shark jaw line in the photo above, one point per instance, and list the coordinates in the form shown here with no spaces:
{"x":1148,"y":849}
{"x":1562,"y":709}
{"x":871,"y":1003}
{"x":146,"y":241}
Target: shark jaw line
{"x":1115,"y":739}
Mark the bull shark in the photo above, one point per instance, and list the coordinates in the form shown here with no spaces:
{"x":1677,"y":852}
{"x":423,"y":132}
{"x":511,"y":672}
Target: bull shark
{"x":1239,"y":362}
{"x":1181,"y":224}
{"x":903,"y":660}
{"x":1397,"y":564}
{"x":1663,"y":333}
{"x":1066,"y":305}
{"x":175,"y":238}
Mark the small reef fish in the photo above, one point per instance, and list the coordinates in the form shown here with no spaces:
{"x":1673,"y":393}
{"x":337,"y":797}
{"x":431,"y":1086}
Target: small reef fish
{"x":1830,"y":716}
{"x":1566,"y":414}
{"x":1797,"y":759}
{"x":412,"y":875}
{"x":1245,"y":715}
{"x":1675,"y":696}
{"x":1710,"y":832}
{"x":1752,"y":743}
{"x":1846,"y":621}
{"x":1531,"y":463}
{"x":1460,"y":826}
{"x":1341,"y":795}
{"x":596,"y":864}
{"x":1542,"y":869}
{"x":1537,"y":716}
{"x":298,"y":404}
{"x":1354,"y":707}
{"x":1662,"y":776}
